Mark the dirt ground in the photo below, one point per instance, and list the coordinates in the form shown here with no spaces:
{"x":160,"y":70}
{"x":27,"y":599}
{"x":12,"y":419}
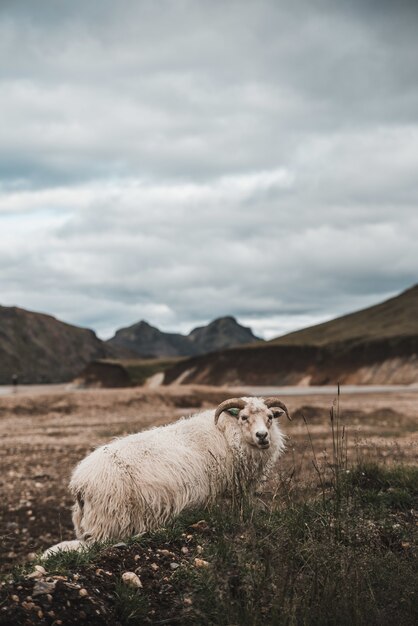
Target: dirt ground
{"x":44,"y":434}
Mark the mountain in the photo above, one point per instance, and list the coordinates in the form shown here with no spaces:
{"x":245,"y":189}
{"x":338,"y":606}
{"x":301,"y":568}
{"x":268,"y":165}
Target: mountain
{"x":397,"y":317}
{"x":224,"y":332}
{"x":147,"y":341}
{"x":378,"y":345}
{"x":40,"y":349}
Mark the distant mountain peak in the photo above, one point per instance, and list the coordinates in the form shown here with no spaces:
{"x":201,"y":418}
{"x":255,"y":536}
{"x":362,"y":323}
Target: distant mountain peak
{"x":148,"y":341}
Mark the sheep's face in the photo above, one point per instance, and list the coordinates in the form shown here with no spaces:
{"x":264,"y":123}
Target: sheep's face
{"x":256,"y":422}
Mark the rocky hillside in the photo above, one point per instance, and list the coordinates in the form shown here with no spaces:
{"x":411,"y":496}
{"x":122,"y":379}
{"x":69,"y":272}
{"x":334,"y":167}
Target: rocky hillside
{"x":146,"y":341}
{"x":378,"y":345}
{"x":40,"y":349}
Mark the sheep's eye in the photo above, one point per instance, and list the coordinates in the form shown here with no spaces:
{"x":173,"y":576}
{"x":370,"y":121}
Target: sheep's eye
{"x":278,"y":413}
{"x":233,"y":412}
{"x":244,"y":417}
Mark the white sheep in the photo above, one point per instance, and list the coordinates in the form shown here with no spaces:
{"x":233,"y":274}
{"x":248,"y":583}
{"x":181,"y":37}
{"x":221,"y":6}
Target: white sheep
{"x":139,"y":482}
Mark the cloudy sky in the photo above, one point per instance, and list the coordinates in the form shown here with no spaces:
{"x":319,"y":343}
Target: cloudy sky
{"x":176,"y":160}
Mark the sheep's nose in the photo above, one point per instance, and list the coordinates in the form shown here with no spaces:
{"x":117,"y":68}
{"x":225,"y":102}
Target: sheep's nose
{"x":262,"y":435}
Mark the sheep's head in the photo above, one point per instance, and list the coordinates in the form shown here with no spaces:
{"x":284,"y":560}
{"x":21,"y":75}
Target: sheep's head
{"x":255,"y":417}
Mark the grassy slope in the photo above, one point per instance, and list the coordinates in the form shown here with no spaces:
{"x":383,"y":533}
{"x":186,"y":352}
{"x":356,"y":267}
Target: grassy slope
{"x":341,"y":551}
{"x":393,"y":318}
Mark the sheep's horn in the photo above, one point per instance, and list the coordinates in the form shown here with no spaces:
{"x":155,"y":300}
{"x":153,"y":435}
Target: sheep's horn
{"x":232,"y":403}
{"x":272,"y":402}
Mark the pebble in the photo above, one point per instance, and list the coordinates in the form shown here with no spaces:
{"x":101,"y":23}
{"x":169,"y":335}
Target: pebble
{"x":165,"y":552}
{"x":43,"y":586}
{"x":38,"y":572}
{"x":15,"y":598}
{"x":187,"y":601}
{"x":174,"y":566}
{"x":185,"y":550}
{"x":201,"y":525}
{"x":132,"y":580}
{"x":83,"y":593}
{"x":154,"y":566}
{"x":201,"y":563}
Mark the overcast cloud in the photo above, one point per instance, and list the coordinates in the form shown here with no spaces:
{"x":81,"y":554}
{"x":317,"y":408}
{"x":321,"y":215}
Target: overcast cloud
{"x":178,"y":161}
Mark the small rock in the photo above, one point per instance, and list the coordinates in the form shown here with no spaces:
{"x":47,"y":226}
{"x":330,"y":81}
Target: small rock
{"x":31,"y":556}
{"x":185,"y":550}
{"x":174,"y":566}
{"x":40,"y":614}
{"x":28,"y":606}
{"x":49,"y":597}
{"x":187,"y":601}
{"x":43,"y":586}
{"x":38,"y":572}
{"x":201,"y":563}
{"x":201,"y":526}
{"x":83,"y":593}
{"x":199,"y":549}
{"x":72,"y":585}
{"x":15,"y":598}
{"x":121,"y":544}
{"x":165,"y":552}
{"x":154,"y":566}
{"x":132,"y":580}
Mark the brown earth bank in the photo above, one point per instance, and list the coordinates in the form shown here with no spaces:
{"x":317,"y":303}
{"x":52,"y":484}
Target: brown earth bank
{"x":388,"y":361}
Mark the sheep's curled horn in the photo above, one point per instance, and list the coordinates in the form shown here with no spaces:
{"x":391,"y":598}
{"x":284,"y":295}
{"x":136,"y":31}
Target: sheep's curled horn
{"x":239,"y":403}
{"x":232,"y":403}
{"x":275,"y":402}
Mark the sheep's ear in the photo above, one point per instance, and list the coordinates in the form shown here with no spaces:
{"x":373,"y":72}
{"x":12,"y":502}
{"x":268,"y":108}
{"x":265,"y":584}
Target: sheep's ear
{"x":226,"y":405}
{"x":233,"y":412}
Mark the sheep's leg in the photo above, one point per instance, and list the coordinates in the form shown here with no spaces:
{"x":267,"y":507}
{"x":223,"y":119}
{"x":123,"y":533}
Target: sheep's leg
{"x":75,"y":545}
